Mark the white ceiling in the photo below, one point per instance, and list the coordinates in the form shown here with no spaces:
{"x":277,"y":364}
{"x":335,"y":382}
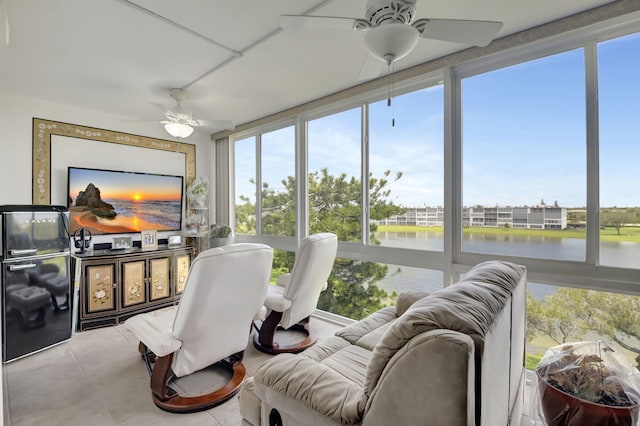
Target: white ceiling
{"x":112,"y":56}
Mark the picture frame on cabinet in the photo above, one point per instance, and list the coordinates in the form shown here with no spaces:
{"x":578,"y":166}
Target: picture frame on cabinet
{"x":175,"y":240}
{"x":121,"y":243}
{"x":149,"y":240}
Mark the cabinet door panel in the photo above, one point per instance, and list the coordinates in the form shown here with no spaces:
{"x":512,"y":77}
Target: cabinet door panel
{"x":159,"y":279}
{"x":181,"y":272}
{"x":133,"y":283}
{"x":99,"y":287}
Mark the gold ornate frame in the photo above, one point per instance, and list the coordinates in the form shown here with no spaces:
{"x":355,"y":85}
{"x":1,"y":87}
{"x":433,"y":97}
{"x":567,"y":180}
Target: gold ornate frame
{"x":41,"y":165}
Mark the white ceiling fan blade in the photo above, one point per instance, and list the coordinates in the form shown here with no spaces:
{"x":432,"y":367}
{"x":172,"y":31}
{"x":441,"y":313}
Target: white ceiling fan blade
{"x":158,"y":106}
{"x":301,"y":22}
{"x":371,"y":68}
{"x":474,"y":33}
{"x":218,"y":124}
{"x":4,"y":25}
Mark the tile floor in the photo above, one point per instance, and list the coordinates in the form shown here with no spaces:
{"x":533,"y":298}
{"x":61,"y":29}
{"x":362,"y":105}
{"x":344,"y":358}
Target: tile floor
{"x":97,"y":378}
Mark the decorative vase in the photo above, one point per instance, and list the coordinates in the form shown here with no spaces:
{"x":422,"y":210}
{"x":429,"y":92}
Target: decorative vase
{"x":562,"y":409}
{"x":197,"y":193}
{"x":221,"y":235}
{"x":198,"y":202}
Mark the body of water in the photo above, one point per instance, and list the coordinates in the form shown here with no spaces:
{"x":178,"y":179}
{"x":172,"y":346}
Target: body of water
{"x":621,"y":254}
{"x":156,"y":214}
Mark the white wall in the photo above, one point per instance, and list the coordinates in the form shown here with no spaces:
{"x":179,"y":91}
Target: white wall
{"x":16,"y":114}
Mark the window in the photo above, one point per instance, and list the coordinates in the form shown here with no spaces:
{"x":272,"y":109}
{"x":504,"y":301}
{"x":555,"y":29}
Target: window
{"x":278,"y":182}
{"x":409,"y":156}
{"x":524,"y":153}
{"x":619,"y":102}
{"x":523,"y":168}
{"x":400,"y":279}
{"x":356,"y":288}
{"x":335,"y":190}
{"x":245,"y":186}
{"x":558,"y":315}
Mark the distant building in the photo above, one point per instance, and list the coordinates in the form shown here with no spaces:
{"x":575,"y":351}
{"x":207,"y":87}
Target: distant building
{"x":535,"y":217}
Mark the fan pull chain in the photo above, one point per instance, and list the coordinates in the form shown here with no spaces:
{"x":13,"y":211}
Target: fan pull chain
{"x":391,"y":92}
{"x":389,"y":85}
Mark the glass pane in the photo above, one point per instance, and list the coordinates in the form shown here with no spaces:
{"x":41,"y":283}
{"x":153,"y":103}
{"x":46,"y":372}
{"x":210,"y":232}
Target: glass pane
{"x":278,"y":182}
{"x":619,"y":100}
{"x":282,"y":264}
{"x":558,"y":315}
{"x":356,"y":289}
{"x":524,"y":159}
{"x":335,"y":200}
{"x":400,"y":279}
{"x":245,"y":185}
{"x":408,"y":158}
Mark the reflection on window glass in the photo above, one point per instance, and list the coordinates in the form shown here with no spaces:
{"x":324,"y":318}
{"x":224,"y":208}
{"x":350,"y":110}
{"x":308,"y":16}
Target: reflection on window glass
{"x":245,"y":185}
{"x":407,"y":176}
{"x":335,"y":200}
{"x":524,"y":159}
{"x":278,"y":182}
{"x":558,"y":315}
{"x":619,"y":151}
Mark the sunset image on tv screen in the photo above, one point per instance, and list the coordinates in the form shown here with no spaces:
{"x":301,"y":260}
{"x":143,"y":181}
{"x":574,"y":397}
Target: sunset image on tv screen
{"x":109,"y":201}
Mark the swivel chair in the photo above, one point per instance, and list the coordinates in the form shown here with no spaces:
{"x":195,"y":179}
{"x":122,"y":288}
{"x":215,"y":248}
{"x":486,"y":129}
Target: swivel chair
{"x":293,"y":299}
{"x":211,"y":324}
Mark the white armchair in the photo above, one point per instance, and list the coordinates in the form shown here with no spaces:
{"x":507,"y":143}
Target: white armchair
{"x":211,"y":324}
{"x":294,"y":298}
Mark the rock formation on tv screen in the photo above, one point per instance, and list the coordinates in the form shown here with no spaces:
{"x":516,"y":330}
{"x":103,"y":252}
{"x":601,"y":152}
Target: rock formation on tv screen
{"x":90,"y":198}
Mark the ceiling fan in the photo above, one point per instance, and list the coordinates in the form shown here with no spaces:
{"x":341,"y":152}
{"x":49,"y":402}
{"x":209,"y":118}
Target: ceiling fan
{"x":392,"y":33}
{"x":180,"y":123}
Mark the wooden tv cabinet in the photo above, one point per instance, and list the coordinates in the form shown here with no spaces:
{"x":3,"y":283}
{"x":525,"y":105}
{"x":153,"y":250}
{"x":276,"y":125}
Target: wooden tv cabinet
{"x":115,"y":285}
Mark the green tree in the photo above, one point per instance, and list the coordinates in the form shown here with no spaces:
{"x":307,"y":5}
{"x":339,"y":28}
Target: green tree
{"x":245,"y":216}
{"x":617,"y":218}
{"x":335,"y":205}
{"x":561,"y":316}
{"x":577,"y":217}
{"x":569,"y":314}
{"x":278,"y":209}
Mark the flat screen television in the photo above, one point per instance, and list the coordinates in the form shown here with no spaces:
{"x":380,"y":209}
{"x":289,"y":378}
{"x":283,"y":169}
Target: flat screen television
{"x":117,"y":202}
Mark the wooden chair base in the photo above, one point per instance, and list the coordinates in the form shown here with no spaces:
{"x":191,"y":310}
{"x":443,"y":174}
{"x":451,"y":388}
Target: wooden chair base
{"x":168,"y":399}
{"x":263,"y":340}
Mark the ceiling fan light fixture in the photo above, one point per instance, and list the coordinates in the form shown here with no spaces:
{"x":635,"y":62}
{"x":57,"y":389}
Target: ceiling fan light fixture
{"x":390,"y":42}
{"x":178,"y":130}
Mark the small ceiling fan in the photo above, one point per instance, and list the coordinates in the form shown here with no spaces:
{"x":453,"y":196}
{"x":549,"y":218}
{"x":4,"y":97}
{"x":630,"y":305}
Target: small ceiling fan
{"x":180,"y":123}
{"x":392,"y":33}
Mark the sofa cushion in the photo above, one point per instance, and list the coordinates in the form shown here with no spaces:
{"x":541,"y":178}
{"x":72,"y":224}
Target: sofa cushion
{"x":371,"y":339}
{"x":325,"y":347}
{"x":312,"y":384}
{"x":351,"y":362}
{"x":466,"y":307}
{"x":354,"y":332}
{"x":501,"y":274}
{"x":347,"y":359}
{"x":408,"y":298}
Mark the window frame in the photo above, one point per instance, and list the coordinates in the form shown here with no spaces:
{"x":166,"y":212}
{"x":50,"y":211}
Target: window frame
{"x":453,"y":262}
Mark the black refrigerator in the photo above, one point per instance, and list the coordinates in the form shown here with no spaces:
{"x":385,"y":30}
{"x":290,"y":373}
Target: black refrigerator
{"x":37,"y":297}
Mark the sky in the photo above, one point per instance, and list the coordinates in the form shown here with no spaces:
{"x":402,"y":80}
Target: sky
{"x":524,"y":136}
{"x":127,"y":186}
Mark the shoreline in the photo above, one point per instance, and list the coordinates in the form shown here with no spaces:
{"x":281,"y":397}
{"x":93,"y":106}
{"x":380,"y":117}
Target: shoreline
{"x":85,"y":219}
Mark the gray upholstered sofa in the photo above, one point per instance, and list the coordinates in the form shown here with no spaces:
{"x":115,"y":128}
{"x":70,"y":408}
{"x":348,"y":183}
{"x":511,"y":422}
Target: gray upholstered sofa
{"x":454,"y":357}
